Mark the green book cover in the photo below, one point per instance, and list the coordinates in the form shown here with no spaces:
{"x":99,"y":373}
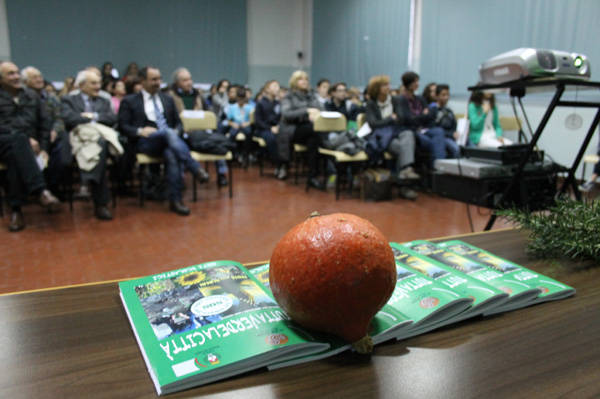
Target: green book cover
{"x":207,"y":322}
{"x":550,"y":289}
{"x":520,"y":293}
{"x":429,"y":304}
{"x":484,"y":296}
{"x":387,"y":324}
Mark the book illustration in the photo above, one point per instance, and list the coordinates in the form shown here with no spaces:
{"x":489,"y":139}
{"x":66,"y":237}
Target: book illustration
{"x":423,"y":267}
{"x":197,"y":298}
{"x":481,"y":257}
{"x":520,"y":293}
{"x":550,"y":289}
{"x":262,"y":274}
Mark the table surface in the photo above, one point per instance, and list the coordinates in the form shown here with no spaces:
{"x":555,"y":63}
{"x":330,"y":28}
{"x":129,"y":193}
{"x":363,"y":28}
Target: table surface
{"x":76,"y":342}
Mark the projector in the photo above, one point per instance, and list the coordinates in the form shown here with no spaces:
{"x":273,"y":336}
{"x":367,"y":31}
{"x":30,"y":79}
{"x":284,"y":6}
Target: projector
{"x":530,"y":63}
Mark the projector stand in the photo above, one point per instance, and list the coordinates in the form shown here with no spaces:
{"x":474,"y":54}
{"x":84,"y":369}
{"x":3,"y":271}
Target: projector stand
{"x":518,"y":89}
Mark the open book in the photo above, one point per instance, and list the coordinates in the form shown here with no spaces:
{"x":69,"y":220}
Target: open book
{"x":207,"y":322}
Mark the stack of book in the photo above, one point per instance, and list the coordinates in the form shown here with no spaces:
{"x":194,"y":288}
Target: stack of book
{"x":210,"y":321}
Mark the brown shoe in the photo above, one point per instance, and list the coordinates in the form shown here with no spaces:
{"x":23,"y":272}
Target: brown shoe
{"x":17,"y":222}
{"x":49,"y":201}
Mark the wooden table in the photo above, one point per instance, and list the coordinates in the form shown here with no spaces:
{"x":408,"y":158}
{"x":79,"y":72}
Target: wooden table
{"x":76,"y":342}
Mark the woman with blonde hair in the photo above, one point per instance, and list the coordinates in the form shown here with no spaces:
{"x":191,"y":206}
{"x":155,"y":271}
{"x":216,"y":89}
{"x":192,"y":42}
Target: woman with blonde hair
{"x":299,"y":108}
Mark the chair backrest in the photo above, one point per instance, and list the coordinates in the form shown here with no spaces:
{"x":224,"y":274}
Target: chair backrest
{"x":198,"y":120}
{"x":459,"y":116}
{"x":510,"y":123}
{"x":361,"y":119}
{"x":323,"y":124}
{"x":252,"y":117}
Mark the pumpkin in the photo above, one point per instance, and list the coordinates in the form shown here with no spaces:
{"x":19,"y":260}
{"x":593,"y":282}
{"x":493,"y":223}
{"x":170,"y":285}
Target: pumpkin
{"x":333,"y":273}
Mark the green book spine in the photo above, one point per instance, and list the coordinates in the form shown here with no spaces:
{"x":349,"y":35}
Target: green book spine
{"x":484,"y":296}
{"x":550,"y":288}
{"x":520,"y":293}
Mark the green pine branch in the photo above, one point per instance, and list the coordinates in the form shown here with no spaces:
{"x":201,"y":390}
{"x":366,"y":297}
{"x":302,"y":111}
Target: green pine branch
{"x":568,"y":229}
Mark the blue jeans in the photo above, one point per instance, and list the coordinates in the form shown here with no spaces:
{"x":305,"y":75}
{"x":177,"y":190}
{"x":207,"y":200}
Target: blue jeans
{"x":176,"y":154}
{"x":452,"y":148}
{"x":378,"y":142}
{"x":434,"y":141}
{"x":269,"y":139}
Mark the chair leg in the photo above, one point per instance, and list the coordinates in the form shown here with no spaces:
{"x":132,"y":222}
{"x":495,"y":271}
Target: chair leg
{"x":194,"y":194}
{"x":339,"y":170}
{"x":230,"y":176}
{"x":141,"y":179}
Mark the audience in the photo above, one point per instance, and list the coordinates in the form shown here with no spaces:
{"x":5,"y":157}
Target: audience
{"x":323,"y":91}
{"x":416,"y":116}
{"x":443,"y":117}
{"x":339,"y":102}
{"x":385,"y":118}
{"x":299,"y":109}
{"x":68,"y":86}
{"x":484,"y":125}
{"x":59,"y":149}
{"x":24,"y":129}
{"x":89,"y":118}
{"x":38,"y":133}
{"x":187,"y":97}
{"x":429,"y":94}
{"x":118,"y":94}
{"x":150,"y":119}
{"x":266,"y":118}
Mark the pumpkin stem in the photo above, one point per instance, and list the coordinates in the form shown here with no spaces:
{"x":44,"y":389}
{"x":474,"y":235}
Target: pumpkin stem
{"x":363,"y":345}
{"x":314,"y":214}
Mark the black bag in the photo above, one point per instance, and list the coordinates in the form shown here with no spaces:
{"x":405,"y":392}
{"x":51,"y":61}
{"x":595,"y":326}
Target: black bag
{"x":376,"y":185}
{"x":211,"y":143}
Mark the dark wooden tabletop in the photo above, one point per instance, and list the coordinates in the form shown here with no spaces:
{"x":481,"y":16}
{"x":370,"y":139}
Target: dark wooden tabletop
{"x":76,"y":342}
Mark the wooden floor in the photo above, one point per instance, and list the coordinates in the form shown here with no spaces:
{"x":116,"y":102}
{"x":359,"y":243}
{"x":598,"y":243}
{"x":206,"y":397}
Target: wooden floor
{"x":73,"y":247}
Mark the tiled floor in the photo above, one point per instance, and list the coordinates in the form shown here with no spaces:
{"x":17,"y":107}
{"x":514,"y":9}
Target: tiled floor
{"x":73,"y":247}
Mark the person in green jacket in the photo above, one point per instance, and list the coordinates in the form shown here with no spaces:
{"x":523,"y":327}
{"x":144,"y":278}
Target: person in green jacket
{"x":484,"y":126}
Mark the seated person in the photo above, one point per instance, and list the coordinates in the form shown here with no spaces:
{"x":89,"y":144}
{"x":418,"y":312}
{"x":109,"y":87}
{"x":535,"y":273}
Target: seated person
{"x":323,"y":91}
{"x":430,"y":94}
{"x":484,"y":125}
{"x":267,"y":116}
{"x":150,"y":119}
{"x":387,"y":134}
{"x":299,"y":109}
{"x":444,"y":117}
{"x":416,"y":116}
{"x":339,"y":102}
{"x":24,"y":124}
{"x":187,"y":97}
{"x":60,"y":157}
{"x":88,"y":107}
{"x":238,"y":115}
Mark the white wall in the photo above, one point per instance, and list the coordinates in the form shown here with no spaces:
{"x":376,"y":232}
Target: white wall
{"x":277,"y":31}
{"x":4,"y":38}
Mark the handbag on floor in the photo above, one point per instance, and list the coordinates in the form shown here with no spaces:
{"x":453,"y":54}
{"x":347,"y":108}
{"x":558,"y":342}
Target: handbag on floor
{"x":376,"y":185}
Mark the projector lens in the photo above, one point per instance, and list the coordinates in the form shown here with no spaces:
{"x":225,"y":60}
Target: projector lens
{"x":577,"y":62}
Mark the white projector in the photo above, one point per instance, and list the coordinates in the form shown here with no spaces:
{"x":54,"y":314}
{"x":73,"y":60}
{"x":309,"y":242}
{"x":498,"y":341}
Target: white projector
{"x":530,"y":63}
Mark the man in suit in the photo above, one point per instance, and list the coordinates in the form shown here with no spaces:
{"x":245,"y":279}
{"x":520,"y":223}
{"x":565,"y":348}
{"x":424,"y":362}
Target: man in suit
{"x":24,"y":128}
{"x":88,"y":107}
{"x":151,"y":119}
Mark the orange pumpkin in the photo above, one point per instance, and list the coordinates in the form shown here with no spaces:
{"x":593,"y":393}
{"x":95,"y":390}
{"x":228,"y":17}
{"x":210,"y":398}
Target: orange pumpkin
{"x":333,"y":273}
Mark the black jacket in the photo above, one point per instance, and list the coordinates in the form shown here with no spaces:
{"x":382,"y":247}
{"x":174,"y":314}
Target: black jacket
{"x":73,"y":106}
{"x":373,"y":114}
{"x":133,"y":116}
{"x":347,"y":108}
{"x":411,"y":120}
{"x":267,"y":114}
{"x":28,"y":116}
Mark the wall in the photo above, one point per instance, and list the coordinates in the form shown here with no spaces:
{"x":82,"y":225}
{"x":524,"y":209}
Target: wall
{"x":4,"y":37}
{"x":277,"y":31}
{"x":354,"y":39}
{"x":61,"y":37}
